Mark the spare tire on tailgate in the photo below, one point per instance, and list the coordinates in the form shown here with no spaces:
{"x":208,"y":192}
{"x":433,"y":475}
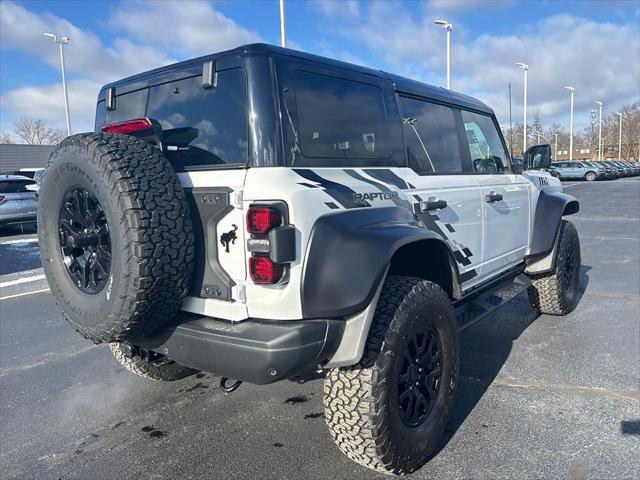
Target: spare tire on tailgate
{"x":115,"y":235}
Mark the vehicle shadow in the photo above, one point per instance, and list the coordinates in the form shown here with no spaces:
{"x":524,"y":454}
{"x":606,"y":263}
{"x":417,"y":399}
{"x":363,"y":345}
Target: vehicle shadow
{"x":484,"y":349}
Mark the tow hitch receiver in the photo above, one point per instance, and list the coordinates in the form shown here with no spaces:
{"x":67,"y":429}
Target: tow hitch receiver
{"x":228,"y":388}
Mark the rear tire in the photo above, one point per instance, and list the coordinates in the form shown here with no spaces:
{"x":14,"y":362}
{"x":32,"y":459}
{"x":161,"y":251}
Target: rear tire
{"x":159,"y":368}
{"x":115,"y":235}
{"x":557,"y":292}
{"x":389,"y":412}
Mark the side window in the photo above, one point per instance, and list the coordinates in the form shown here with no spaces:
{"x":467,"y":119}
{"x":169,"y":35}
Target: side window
{"x":341,"y":119}
{"x":485,"y":146}
{"x":431,"y":137}
{"x":202,"y":126}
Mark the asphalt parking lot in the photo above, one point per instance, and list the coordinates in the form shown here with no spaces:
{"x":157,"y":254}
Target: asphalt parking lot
{"x":539,"y":397}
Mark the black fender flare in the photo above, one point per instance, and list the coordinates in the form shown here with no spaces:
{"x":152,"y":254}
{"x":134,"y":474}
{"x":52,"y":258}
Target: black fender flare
{"x":348,"y":254}
{"x":551,"y":207}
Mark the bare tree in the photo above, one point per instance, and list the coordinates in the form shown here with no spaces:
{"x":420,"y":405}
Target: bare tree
{"x":34,"y":132}
{"x":5,"y":138}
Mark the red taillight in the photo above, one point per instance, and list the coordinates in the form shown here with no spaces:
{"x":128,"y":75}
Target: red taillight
{"x":262,"y":219}
{"x":130,"y":126}
{"x":2,"y":197}
{"x":264,"y":271}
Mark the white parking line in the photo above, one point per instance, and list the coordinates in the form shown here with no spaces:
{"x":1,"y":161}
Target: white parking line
{"x":10,"y":283}
{"x":20,"y":240}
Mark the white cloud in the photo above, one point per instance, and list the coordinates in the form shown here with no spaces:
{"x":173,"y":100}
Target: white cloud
{"x":86,"y":56}
{"x":190,"y":30}
{"x":339,"y":8}
{"x":46,"y":102}
{"x":601,"y":60}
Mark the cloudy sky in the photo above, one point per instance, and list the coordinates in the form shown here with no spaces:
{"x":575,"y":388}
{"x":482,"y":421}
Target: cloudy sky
{"x":591,"y":45}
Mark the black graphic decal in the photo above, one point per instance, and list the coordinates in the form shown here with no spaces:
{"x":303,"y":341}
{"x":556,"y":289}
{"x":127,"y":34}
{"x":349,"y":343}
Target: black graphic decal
{"x":340,"y":193}
{"x":229,"y":237}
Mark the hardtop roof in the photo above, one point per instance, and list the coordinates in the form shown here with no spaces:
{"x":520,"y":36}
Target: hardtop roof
{"x":401,"y":84}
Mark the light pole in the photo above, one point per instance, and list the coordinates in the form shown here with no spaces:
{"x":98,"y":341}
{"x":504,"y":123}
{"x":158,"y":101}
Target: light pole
{"x":62,"y":41}
{"x":448,"y":27}
{"x":571,"y":89}
{"x":283,"y":32}
{"x":620,"y":137}
{"x":525,"y":68}
{"x":556,"y":146}
{"x":599,"y":131}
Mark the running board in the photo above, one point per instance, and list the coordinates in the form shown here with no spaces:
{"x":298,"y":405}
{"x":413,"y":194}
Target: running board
{"x":475,"y":309}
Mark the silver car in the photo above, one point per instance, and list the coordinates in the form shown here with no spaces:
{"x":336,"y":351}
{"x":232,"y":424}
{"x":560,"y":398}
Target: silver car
{"x":18,"y":200}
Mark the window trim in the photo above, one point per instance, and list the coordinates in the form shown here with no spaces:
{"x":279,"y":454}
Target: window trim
{"x":465,"y":160}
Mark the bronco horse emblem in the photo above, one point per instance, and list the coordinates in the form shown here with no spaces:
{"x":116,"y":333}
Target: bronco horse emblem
{"x":229,"y":237}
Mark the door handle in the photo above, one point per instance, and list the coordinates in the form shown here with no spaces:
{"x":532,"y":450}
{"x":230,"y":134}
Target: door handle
{"x":493,"y":197}
{"x":432,"y":205}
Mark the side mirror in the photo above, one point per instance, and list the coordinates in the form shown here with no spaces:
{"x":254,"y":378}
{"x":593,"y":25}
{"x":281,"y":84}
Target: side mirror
{"x":538,"y":157}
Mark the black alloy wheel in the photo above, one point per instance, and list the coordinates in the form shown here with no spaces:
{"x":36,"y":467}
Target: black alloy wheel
{"x":570,"y":271}
{"x":420,"y":369}
{"x":84,"y":240}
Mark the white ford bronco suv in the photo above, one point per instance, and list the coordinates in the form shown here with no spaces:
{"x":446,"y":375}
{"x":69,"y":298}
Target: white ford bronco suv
{"x":263,"y":212}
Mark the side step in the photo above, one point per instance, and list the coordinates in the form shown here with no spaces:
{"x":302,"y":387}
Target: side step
{"x":476,"y":308}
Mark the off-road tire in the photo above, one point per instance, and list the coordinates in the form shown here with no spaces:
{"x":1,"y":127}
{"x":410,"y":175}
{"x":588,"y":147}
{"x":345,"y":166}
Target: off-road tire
{"x":150,"y":231}
{"x":361,"y":402}
{"x":591,"y":176}
{"x":167,"y":371}
{"x":558,"y":292}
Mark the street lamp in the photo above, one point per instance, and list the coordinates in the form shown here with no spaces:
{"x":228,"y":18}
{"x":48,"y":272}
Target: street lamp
{"x":571,"y":89}
{"x":525,"y":68}
{"x":620,"y":138}
{"x":556,"y":146}
{"x":283,"y":33}
{"x":62,"y":41}
{"x":448,"y":27}
{"x":599,"y":131}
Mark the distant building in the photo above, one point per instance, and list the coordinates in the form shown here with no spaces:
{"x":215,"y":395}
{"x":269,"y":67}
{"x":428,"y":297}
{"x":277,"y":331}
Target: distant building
{"x":579,"y":154}
{"x":14,"y":156}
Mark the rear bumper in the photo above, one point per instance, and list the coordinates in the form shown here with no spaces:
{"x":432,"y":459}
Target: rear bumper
{"x":255,"y":351}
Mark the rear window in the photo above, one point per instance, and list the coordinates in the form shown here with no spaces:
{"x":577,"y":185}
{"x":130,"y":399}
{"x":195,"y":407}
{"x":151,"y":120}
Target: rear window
{"x":341,"y":119}
{"x":201,"y":127}
{"x":16,"y":186}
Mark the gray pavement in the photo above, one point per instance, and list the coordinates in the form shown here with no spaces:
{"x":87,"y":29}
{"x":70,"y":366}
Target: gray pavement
{"x":541,"y":397}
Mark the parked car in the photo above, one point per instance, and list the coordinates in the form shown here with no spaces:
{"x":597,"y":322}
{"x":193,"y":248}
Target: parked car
{"x":18,"y":200}
{"x":579,"y":170}
{"x":262,"y":212}
{"x":609,"y":171}
{"x":621,"y":172}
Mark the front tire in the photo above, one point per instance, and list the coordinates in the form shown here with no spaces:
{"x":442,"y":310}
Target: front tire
{"x":590,"y":177}
{"x":557,"y":292}
{"x":389,"y":411}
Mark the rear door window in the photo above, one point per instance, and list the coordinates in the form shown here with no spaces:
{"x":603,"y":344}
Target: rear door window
{"x":341,"y":119}
{"x":431,"y":137}
{"x":203,"y":126}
